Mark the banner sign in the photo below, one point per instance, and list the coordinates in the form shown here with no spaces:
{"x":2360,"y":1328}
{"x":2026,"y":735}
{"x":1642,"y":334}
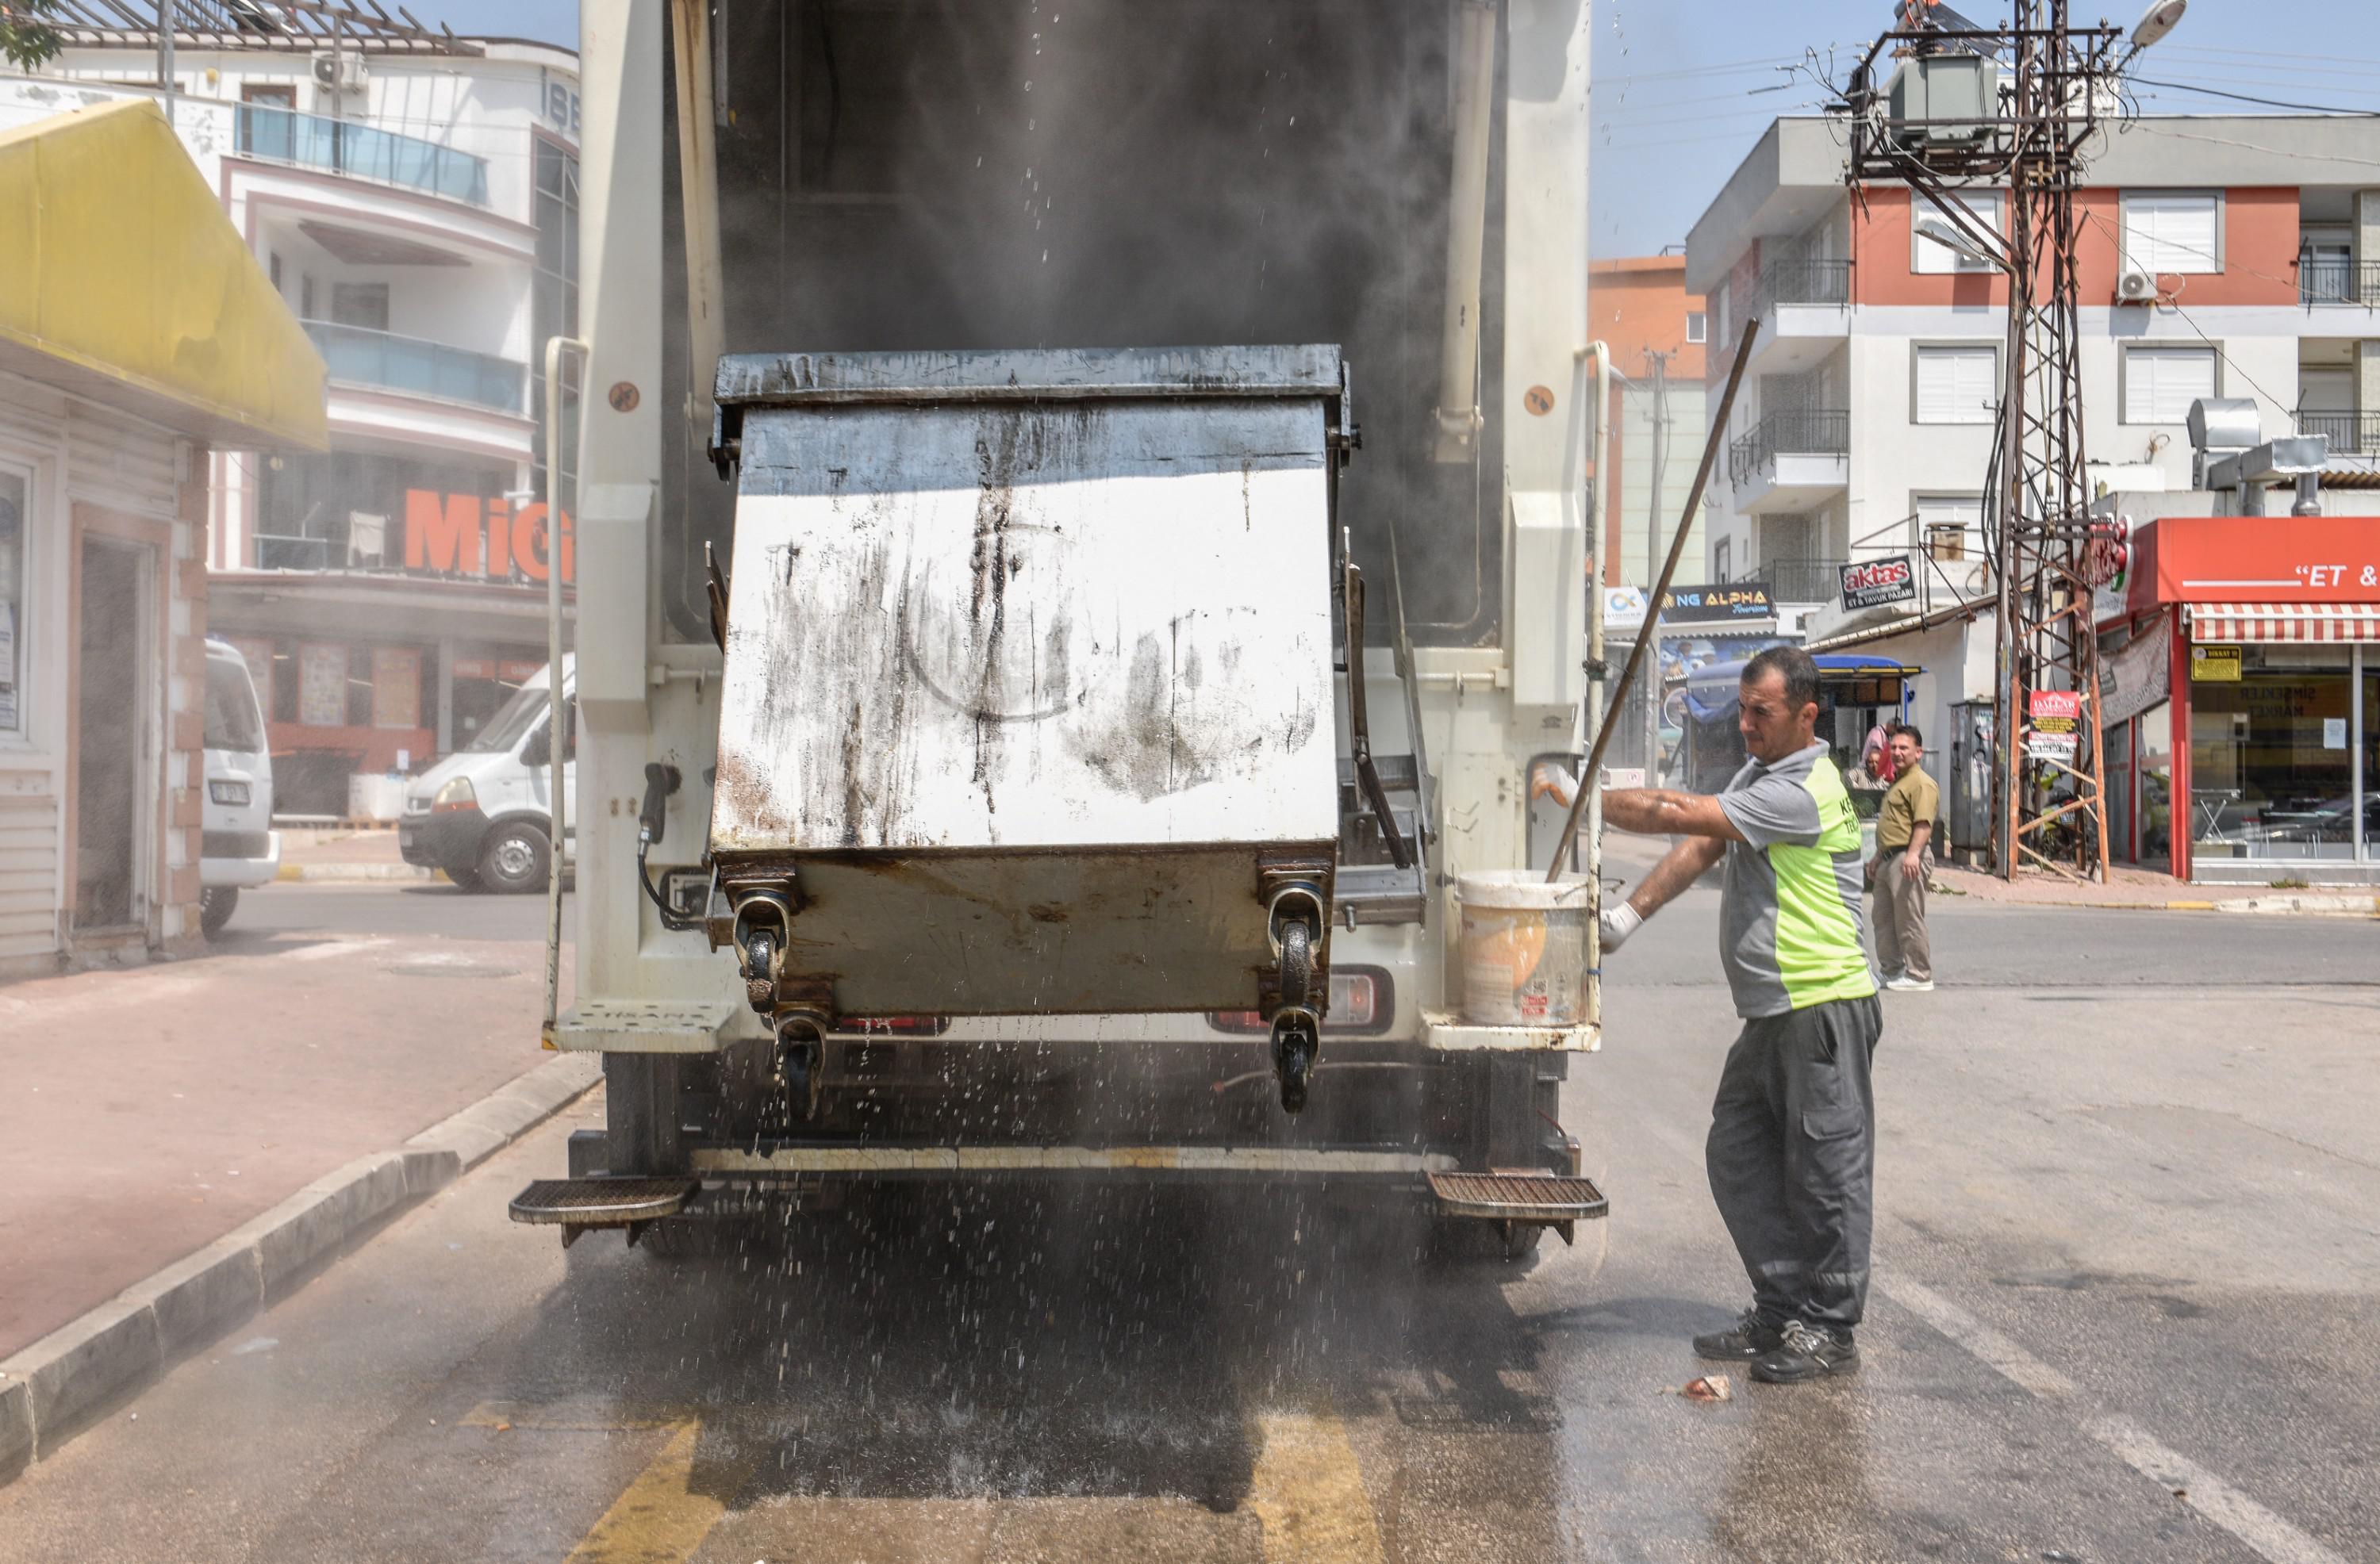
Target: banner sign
{"x":1872,"y":583}
{"x":2138,"y":675}
{"x":2054,"y":725}
{"x":1729,"y":599}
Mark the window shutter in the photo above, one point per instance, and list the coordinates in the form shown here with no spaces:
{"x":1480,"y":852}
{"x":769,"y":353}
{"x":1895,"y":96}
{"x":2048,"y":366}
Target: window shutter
{"x":2172,"y":232}
{"x":2161,"y":383}
{"x":1957,"y":385}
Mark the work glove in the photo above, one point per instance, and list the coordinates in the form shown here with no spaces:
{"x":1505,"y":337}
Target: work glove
{"x":1618,"y":924}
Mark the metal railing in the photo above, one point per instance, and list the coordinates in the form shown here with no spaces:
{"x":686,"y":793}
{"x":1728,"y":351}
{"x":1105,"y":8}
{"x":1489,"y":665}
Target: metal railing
{"x":1802,"y":579}
{"x":426,"y":368}
{"x":1802,"y":281}
{"x":1814,"y":431}
{"x":2350,"y":434}
{"x":2335,"y":281}
{"x":313,"y":141}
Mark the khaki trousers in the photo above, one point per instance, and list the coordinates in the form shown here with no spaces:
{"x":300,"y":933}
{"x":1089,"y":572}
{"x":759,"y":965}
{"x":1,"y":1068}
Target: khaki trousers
{"x":1901,"y":943}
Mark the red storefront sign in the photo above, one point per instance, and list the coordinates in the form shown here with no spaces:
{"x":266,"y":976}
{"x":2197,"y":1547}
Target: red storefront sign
{"x":444,"y":532}
{"x":2291,"y":559}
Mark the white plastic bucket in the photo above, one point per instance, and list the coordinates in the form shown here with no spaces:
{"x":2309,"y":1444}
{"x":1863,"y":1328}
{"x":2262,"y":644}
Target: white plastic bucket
{"x":1524,"y":948}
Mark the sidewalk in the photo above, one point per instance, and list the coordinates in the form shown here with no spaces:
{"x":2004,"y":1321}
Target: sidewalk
{"x":1627,"y":857}
{"x":341,"y":857}
{"x":150,"y":1112}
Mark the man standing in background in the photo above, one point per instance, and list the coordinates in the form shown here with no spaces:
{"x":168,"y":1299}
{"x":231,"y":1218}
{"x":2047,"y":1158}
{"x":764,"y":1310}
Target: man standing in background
{"x":1903,"y":828}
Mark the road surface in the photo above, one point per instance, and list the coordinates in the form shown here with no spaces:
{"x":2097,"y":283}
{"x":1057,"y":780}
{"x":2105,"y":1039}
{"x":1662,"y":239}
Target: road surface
{"x":2125,"y":1311}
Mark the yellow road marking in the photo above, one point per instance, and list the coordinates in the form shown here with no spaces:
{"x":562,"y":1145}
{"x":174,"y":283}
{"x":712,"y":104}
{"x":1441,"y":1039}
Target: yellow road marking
{"x":660,"y":1519}
{"x":1306,"y":1491}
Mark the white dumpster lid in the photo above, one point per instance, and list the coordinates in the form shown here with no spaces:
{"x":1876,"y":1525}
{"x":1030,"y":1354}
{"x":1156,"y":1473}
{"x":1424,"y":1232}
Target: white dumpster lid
{"x":1304,"y":370}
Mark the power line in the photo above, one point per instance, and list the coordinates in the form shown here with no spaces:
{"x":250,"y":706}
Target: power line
{"x":2251,"y":97}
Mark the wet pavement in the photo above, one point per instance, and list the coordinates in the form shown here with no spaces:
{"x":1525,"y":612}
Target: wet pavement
{"x":2128,"y":1296}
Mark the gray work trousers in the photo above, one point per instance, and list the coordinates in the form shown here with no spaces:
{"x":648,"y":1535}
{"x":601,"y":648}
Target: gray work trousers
{"x":1792,"y":1157}
{"x":1898,"y":906}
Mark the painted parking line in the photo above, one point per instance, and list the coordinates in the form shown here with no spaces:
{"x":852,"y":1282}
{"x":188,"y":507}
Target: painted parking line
{"x":1309,"y":1494}
{"x":1305,"y":1489}
{"x":2269,"y":1535}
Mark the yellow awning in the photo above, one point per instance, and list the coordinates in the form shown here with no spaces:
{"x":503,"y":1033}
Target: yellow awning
{"x":122,"y":279}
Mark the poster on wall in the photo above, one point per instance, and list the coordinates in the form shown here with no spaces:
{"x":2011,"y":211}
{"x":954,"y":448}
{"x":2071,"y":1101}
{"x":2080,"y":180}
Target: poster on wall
{"x":2054,"y":725}
{"x":396,"y":687}
{"x":2214,"y":665}
{"x":322,"y":686}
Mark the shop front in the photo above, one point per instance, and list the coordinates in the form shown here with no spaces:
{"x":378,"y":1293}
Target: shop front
{"x":2240,"y":699}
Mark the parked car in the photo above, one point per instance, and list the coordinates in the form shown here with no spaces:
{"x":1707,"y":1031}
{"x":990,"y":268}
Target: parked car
{"x":238,"y":847}
{"x":484,"y":815}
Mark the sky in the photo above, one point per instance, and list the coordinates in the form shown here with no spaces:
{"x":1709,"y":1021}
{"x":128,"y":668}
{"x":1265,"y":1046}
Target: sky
{"x":1683,"y":88}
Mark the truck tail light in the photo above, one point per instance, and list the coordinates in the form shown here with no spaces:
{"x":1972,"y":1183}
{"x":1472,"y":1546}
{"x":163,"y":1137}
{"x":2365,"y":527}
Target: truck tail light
{"x":1361,"y":999}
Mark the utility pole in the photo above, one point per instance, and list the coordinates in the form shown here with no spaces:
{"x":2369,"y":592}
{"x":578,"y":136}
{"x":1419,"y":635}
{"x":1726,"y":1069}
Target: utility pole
{"x":165,"y":55}
{"x":1661,"y":455}
{"x":2014,"y":106}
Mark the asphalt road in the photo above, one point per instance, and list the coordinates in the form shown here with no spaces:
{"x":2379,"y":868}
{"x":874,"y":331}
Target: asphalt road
{"x":2127,"y":1309}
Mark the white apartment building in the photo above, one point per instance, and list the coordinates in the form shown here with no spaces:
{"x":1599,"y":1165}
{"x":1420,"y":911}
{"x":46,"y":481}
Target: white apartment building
{"x":2251,"y":246}
{"x":413,"y":197}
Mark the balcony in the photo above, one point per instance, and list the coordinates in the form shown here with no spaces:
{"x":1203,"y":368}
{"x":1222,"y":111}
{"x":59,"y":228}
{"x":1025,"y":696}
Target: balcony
{"x":1802,"y":579}
{"x":2350,"y":434}
{"x":1803,"y":282}
{"x":308,"y":140}
{"x":2333,"y":281}
{"x":360,"y":356}
{"x":1791,"y":458}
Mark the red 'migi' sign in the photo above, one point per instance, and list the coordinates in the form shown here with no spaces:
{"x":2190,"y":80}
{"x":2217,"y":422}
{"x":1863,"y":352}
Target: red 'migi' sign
{"x":442,"y":532}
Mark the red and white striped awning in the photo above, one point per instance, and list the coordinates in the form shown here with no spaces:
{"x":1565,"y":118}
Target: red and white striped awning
{"x":2284,"y":622}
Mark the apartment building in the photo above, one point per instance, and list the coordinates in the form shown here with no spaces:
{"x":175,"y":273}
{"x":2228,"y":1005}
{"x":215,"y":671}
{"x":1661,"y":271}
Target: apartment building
{"x":413,"y":197}
{"x":2219,"y":256}
{"x":1639,"y":309}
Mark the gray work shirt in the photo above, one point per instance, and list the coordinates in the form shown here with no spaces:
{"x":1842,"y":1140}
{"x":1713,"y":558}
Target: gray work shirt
{"x":1790,"y":929}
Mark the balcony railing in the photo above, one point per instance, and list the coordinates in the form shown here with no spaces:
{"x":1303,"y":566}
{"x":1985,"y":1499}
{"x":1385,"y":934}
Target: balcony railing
{"x":1802,"y":281}
{"x":1817,"y":431}
{"x":1802,"y":580}
{"x":2350,"y":434}
{"x":311,"y":140}
{"x":426,"y":368}
{"x":2334,"y":281}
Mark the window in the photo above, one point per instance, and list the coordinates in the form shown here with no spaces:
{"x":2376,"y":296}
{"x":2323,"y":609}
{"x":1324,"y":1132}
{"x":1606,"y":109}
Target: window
{"x":554,"y":298}
{"x":1697,"y":326}
{"x":2160,"y":382}
{"x":1956,"y":384}
{"x":360,"y":304}
{"x":1927,"y":257}
{"x":1720,"y":561}
{"x":16,"y":495}
{"x":1950,"y":527}
{"x":306,"y":297}
{"x":2173,"y":231}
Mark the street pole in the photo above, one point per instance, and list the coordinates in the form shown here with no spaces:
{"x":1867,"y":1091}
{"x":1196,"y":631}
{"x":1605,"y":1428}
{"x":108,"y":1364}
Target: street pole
{"x":556,"y":730}
{"x":165,"y":55}
{"x":1660,"y":454}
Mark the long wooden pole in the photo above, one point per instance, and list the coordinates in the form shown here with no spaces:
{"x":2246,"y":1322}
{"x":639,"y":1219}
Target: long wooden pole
{"x":1618,"y":698}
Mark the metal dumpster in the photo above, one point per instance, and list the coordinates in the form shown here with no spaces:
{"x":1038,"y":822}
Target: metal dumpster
{"x":1030,"y":700}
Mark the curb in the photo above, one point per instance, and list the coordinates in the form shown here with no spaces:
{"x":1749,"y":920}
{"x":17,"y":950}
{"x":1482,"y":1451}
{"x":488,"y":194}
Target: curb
{"x":2269,"y":906}
{"x":60,"y":1384}
{"x":352,"y":874}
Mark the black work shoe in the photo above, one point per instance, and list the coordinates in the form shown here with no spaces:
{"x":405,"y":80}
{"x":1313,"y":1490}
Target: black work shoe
{"x":1807,"y":1352}
{"x":1752,"y":1337}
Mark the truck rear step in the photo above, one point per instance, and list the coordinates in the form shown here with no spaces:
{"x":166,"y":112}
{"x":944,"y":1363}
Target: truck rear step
{"x":576,"y":1205}
{"x":1519,"y":1195}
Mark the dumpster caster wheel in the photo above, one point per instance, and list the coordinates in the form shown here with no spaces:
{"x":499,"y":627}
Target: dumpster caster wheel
{"x":759,"y":969}
{"x":1295,"y":1041}
{"x":1296,"y":967}
{"x":801,"y":1065}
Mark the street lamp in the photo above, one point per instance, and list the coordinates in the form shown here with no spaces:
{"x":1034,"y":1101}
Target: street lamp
{"x":2156,"y":21}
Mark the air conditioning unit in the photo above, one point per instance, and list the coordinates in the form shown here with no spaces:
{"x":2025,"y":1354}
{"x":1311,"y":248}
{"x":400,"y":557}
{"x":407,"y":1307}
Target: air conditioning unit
{"x":339,"y":71}
{"x":2135,"y":286}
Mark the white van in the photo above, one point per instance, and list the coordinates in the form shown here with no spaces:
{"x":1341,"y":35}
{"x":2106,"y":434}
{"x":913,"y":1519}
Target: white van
{"x":483,"y":815}
{"x":238,"y":847}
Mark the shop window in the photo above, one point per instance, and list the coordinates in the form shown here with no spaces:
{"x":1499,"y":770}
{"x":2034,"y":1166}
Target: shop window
{"x":2271,"y":772}
{"x":15,"y":528}
{"x":2152,"y":782}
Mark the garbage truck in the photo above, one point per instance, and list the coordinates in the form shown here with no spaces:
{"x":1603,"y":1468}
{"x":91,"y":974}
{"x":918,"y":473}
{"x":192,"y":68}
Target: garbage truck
{"x":1083,"y":526}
